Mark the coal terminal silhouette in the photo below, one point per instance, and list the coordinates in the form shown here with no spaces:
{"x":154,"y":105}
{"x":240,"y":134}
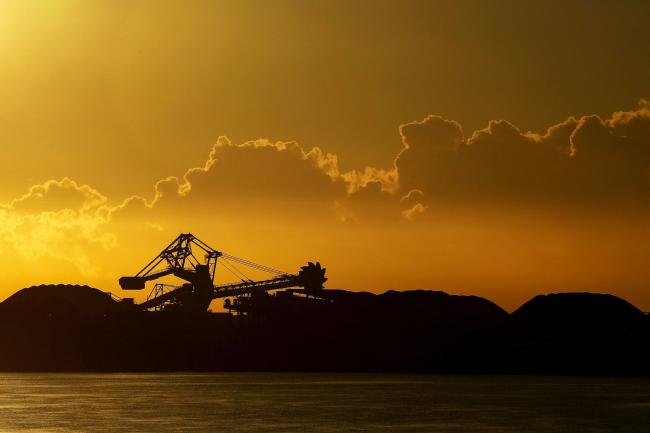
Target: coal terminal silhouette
{"x":79,"y":328}
{"x":291,"y":322}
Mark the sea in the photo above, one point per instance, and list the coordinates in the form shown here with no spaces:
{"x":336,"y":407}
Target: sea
{"x":288,"y":402}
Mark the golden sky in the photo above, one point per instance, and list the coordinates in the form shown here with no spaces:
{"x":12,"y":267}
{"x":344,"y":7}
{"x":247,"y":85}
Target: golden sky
{"x":493,"y":148}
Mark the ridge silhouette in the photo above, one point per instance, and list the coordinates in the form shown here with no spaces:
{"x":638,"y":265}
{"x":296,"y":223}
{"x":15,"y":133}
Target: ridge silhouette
{"x":79,"y":328}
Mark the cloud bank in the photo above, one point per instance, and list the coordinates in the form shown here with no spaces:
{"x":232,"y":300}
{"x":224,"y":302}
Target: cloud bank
{"x":587,"y":161}
{"x":582,"y":163}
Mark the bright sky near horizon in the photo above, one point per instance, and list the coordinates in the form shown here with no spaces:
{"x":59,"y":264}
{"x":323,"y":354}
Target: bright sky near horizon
{"x":365,"y":134}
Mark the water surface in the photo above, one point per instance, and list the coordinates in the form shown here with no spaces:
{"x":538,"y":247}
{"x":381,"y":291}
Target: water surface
{"x":262,"y":402}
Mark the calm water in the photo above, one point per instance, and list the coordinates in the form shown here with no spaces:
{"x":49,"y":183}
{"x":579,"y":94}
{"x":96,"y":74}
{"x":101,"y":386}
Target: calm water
{"x":320,"y":403}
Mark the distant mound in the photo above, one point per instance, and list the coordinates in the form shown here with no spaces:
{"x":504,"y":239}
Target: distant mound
{"x":572,"y":314}
{"x":430,"y":305}
{"x":441,"y":304}
{"x":392,"y":306}
{"x":359,"y":331}
{"x":73,"y":328}
{"x":59,"y":301}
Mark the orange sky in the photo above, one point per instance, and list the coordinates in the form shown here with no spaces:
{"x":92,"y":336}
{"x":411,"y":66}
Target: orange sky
{"x":366,"y":135}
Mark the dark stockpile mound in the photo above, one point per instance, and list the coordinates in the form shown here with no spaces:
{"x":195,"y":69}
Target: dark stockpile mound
{"x":399,"y":331}
{"x":578,"y":333}
{"x":77,"y":328}
{"x":59,"y":300}
{"x":42,"y":327}
{"x":577,"y":315}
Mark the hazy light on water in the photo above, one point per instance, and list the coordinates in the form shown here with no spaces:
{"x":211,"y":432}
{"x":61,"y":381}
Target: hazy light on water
{"x":244,"y":402}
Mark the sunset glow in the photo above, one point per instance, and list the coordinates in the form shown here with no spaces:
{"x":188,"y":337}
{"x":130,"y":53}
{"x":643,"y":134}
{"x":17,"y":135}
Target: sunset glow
{"x":420,"y":147}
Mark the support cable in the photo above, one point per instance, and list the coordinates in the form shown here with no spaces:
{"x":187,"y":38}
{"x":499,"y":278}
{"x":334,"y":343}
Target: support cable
{"x":246,"y":278}
{"x":254,"y":265}
{"x":230,"y":269}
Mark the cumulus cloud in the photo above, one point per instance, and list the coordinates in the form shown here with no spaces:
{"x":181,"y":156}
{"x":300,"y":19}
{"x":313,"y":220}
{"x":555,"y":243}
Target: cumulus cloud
{"x":262,"y":168}
{"x":58,"y":194}
{"x":412,"y":212}
{"x":580,"y":161}
{"x":586,"y":161}
{"x":256,"y":174}
{"x":56,"y":219}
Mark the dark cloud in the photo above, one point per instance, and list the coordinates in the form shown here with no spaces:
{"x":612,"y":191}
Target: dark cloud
{"x":261,"y":169}
{"x":589,"y":161}
{"x":426,"y":205}
{"x":260,"y":176}
{"x":583,"y":161}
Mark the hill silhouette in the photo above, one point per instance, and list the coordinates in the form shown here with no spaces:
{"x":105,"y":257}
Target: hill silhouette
{"x":577,"y":333}
{"x":79,"y":328}
{"x":571,"y":315}
{"x":59,"y":300}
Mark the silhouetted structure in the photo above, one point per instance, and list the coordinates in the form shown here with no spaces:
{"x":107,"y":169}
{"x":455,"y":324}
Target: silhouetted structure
{"x":78,"y":328}
{"x":305,"y":327}
{"x":179,"y":260}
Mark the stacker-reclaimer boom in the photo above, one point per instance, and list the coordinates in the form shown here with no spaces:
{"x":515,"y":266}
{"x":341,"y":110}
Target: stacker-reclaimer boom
{"x":199,"y":291}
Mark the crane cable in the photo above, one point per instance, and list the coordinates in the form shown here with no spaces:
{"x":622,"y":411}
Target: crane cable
{"x":253,"y":265}
{"x":236,"y":272}
{"x":232,"y":265}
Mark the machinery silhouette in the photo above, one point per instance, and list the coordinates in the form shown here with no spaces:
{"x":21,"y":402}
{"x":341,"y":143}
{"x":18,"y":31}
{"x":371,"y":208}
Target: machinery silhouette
{"x":199,"y":291}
